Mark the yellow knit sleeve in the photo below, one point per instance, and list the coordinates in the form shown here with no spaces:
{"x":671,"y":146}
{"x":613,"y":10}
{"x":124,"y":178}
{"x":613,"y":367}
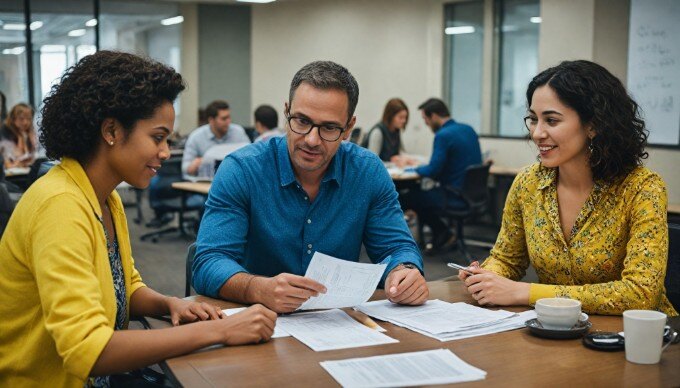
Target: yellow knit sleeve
{"x":644,"y":267}
{"x":509,"y":257}
{"x":62,"y":256}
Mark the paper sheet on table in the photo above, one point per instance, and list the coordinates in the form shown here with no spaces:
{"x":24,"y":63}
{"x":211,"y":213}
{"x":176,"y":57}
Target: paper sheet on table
{"x":402,"y":370}
{"x":348,"y":284}
{"x":513,"y":323}
{"x":278,"y":331}
{"x":329,"y":330}
{"x":435,"y":316}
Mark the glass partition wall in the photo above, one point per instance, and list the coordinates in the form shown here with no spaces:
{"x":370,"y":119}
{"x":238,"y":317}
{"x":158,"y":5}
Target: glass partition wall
{"x":62,"y":32}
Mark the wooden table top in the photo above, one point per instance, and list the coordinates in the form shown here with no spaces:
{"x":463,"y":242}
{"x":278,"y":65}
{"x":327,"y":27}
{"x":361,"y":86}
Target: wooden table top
{"x":500,"y":170}
{"x":17,"y":171}
{"x":514,"y":358}
{"x":193,"y":187}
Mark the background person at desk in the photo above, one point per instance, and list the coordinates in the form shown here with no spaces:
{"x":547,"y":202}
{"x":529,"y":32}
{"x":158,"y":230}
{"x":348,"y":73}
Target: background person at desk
{"x":589,"y":217}
{"x":267,"y":123}
{"x":456,"y":146}
{"x":18,"y":141}
{"x":68,"y":283}
{"x":219,"y":130}
{"x":384,"y":139}
{"x":273,"y":204}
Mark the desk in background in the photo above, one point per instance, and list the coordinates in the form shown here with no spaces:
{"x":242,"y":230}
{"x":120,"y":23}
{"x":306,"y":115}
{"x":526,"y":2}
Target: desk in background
{"x":514,"y":358}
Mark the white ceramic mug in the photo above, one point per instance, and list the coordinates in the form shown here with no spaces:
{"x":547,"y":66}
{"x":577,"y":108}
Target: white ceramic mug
{"x":558,"y":313}
{"x":643,"y":330}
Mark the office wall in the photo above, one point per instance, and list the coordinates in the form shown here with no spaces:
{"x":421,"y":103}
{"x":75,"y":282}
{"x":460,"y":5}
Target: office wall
{"x":393,"y":48}
{"x":224,"y":57}
{"x":189,"y":64}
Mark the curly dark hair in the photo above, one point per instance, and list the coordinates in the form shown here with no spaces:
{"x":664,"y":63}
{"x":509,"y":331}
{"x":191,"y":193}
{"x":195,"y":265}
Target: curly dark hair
{"x":103,"y":85}
{"x":600,"y":100}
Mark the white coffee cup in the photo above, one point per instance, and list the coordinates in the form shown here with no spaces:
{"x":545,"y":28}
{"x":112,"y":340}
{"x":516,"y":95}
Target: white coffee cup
{"x":643,"y":330}
{"x":558,"y":313}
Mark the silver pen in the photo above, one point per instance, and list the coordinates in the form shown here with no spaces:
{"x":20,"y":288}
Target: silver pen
{"x":460,"y":268}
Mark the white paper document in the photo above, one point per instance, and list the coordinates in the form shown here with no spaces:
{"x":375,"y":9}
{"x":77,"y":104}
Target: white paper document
{"x":329,"y":330}
{"x":347,"y":283}
{"x":278,"y":331}
{"x":446,"y":321}
{"x":435,"y":316}
{"x":403,"y":370}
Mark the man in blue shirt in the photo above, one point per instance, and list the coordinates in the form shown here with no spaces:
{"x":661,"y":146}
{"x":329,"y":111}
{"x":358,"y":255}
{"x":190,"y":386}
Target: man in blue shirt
{"x":456,"y":146}
{"x":273,"y":204}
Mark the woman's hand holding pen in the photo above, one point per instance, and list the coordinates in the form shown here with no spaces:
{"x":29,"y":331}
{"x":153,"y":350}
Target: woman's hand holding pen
{"x":489,"y":288}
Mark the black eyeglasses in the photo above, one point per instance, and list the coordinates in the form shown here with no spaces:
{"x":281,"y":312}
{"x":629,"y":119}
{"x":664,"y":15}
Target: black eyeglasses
{"x":303,"y":126}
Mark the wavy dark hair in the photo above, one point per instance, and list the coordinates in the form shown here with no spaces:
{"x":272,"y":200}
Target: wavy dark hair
{"x":602,"y":101}
{"x":107,"y":84}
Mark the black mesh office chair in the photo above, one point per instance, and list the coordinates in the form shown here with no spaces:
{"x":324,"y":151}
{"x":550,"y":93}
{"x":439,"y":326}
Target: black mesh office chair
{"x":672,"y":282}
{"x":475,"y":194}
{"x":6,"y":207}
{"x":170,"y":200}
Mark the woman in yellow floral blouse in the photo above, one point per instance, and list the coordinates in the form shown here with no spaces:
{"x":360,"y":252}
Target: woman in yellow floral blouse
{"x":589,"y":217}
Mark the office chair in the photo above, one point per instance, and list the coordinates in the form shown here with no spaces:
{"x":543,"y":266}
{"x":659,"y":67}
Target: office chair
{"x":6,"y":207}
{"x":170,"y":199}
{"x":475,"y":194}
{"x":191,"y":252}
{"x":672,"y":282}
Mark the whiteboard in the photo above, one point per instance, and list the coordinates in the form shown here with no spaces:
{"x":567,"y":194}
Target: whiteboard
{"x":654,"y":66}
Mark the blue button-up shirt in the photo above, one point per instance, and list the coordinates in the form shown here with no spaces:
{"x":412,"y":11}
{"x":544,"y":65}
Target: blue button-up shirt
{"x":258,"y":219}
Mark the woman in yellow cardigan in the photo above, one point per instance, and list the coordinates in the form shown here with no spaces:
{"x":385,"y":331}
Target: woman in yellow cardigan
{"x":68,"y":283}
{"x":589,"y":217}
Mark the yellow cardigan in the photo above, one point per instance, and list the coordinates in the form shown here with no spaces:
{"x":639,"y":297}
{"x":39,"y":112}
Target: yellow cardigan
{"x":618,"y":249}
{"x":57,"y":300}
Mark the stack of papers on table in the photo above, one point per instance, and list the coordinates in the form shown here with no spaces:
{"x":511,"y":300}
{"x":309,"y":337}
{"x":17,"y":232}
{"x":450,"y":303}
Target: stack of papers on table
{"x":447,"y":321}
{"x":330,"y":330}
{"x":403,"y":370}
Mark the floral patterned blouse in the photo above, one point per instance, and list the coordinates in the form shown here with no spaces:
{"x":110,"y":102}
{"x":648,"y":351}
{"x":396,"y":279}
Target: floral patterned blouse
{"x":616,"y":256}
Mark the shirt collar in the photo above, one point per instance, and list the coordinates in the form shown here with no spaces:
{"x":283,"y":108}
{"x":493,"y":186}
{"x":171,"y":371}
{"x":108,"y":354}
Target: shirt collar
{"x":286,"y":173}
{"x":77,"y":173}
{"x":546,"y":177}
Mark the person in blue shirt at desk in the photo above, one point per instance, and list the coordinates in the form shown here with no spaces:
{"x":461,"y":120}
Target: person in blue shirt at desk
{"x":456,"y":146}
{"x":273,"y":204}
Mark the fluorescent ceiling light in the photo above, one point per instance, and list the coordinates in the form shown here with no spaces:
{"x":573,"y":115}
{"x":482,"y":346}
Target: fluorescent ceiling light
{"x":255,"y":1}
{"x":535,"y":19}
{"x":459,"y":30}
{"x":173,"y":20}
{"x":76,"y":33}
{"x":91,"y":23}
{"x":21,"y":26}
{"x":14,"y":26}
{"x":14,"y":51}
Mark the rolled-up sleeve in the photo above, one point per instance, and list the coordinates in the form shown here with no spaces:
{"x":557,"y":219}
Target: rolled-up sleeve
{"x":70,"y":292}
{"x":386,"y":232}
{"x":222,"y":236}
